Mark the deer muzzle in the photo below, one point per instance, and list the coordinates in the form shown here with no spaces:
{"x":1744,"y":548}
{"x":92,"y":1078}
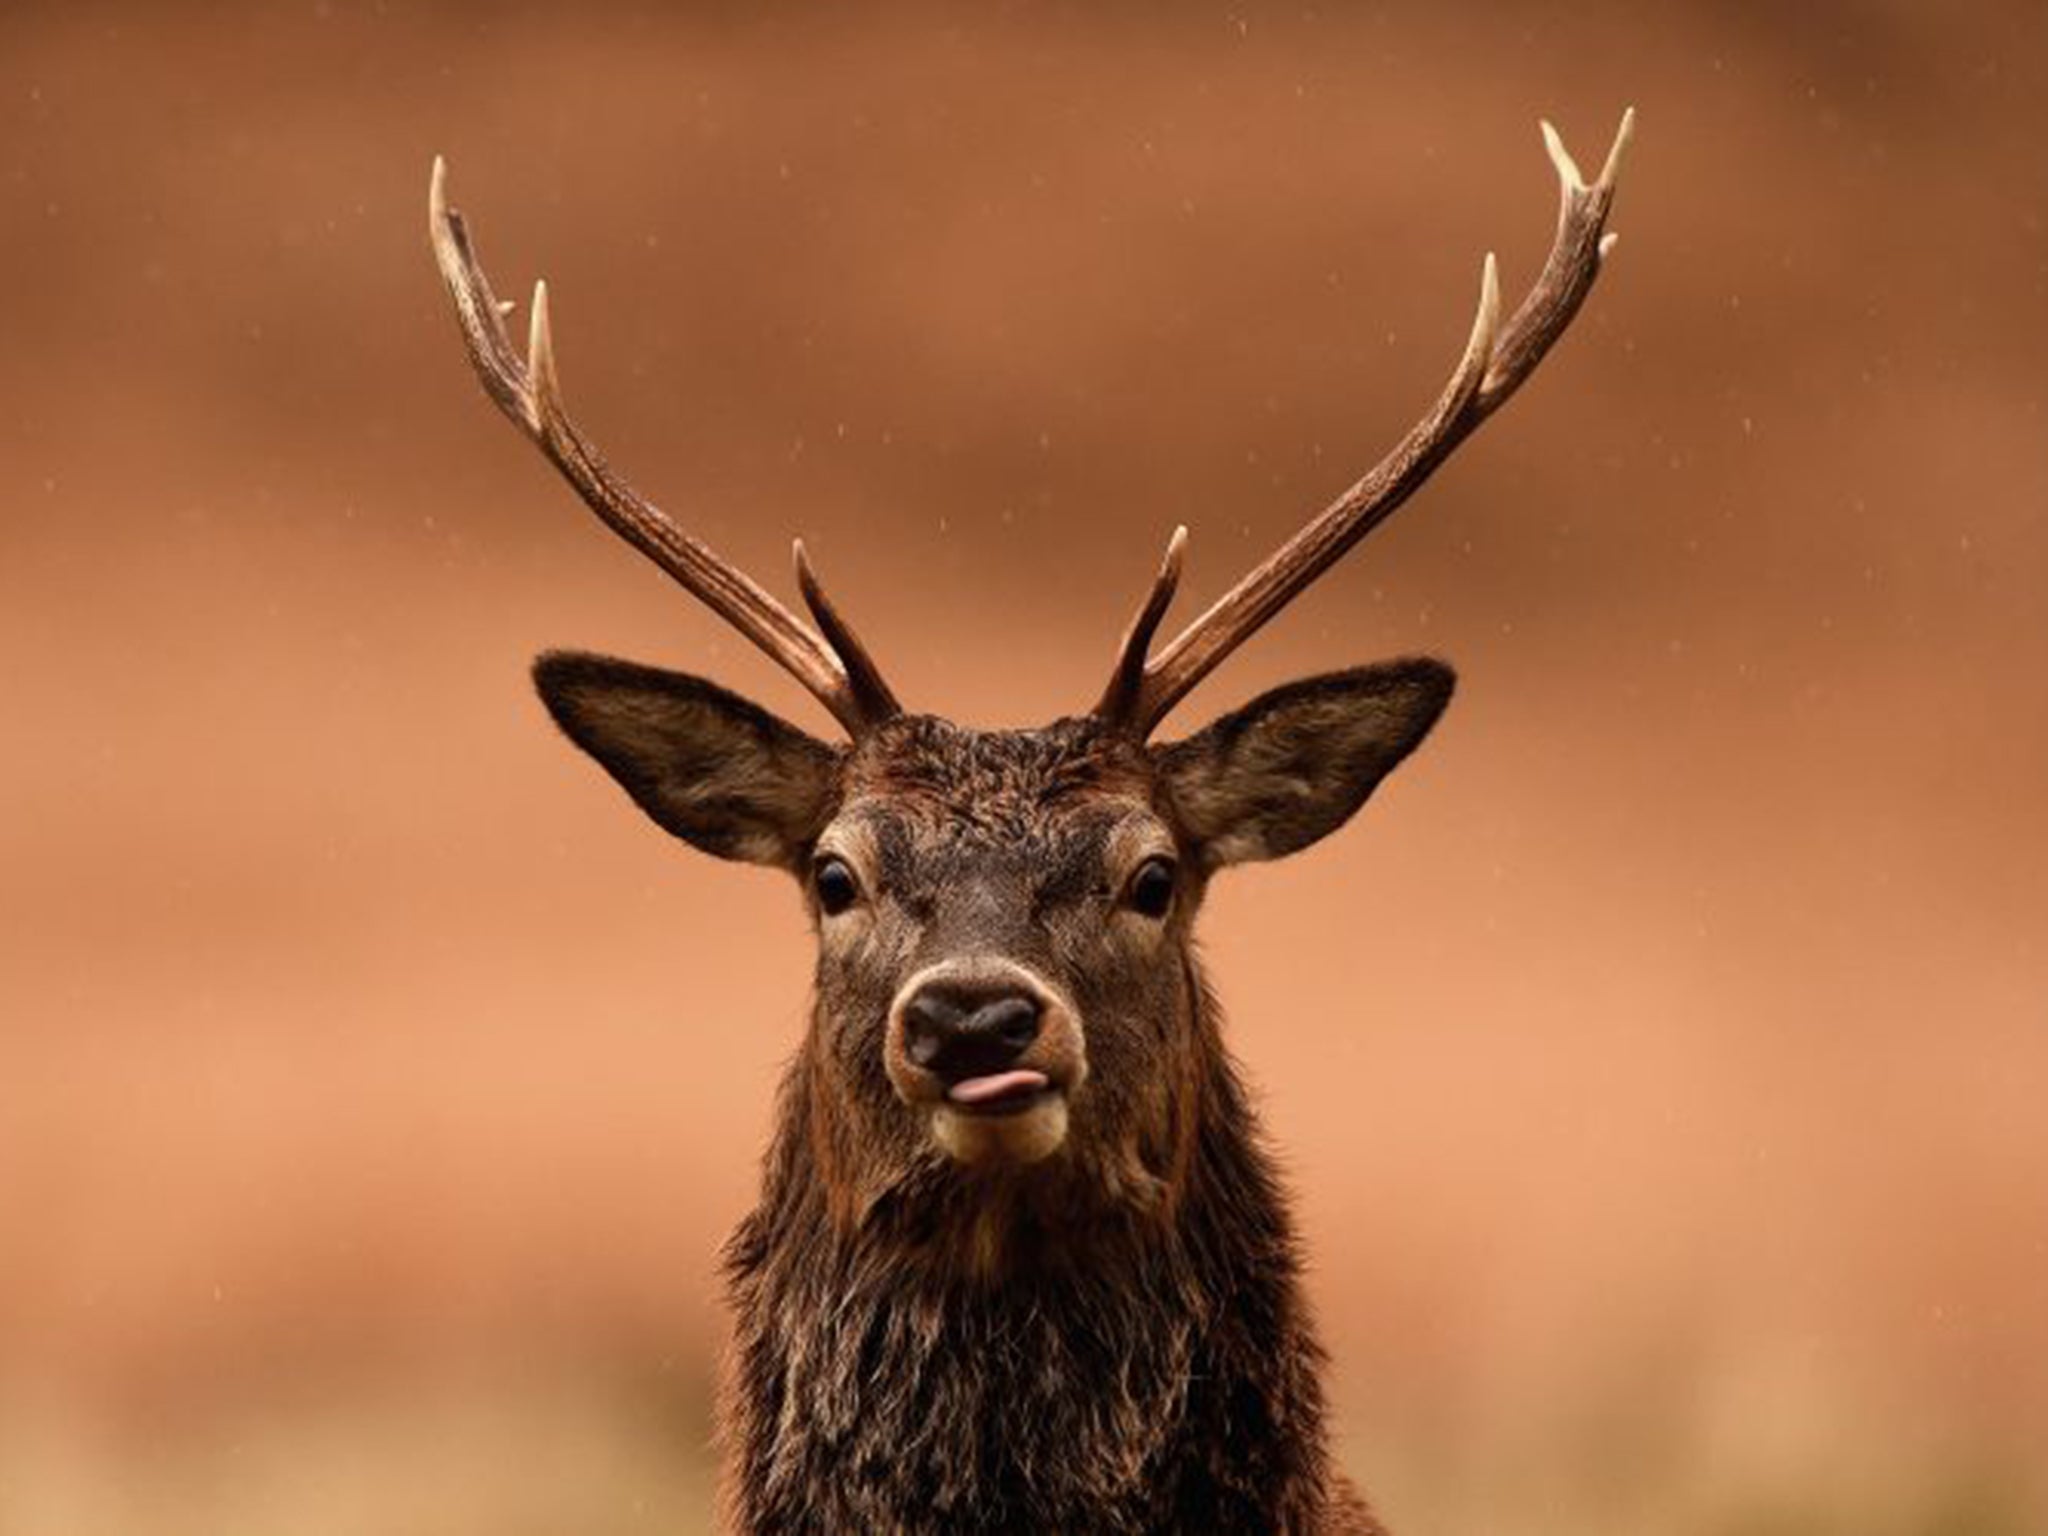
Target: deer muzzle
{"x":990,"y":1052}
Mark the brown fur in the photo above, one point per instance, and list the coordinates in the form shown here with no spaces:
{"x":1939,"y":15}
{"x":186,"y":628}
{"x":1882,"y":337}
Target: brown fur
{"x":1106,"y":1336}
{"x":1020,"y":1262}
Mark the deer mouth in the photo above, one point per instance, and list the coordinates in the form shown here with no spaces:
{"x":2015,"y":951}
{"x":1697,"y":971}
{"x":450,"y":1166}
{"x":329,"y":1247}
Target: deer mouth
{"x":988,"y":1054}
{"x":999,"y":1093}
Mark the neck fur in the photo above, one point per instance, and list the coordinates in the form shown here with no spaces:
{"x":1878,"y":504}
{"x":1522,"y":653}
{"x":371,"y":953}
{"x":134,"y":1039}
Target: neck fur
{"x":1062,"y":1351}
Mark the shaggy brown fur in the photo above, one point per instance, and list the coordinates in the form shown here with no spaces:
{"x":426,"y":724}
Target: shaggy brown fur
{"x":1020,"y":1263}
{"x":1118,"y":1367}
{"x":1094,"y":1323}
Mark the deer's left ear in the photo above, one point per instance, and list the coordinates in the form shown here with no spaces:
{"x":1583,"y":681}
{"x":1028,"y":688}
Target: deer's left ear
{"x":1295,"y":764}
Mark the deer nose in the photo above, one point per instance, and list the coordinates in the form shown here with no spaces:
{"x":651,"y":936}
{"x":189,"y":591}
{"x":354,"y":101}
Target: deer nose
{"x":956,"y":1033}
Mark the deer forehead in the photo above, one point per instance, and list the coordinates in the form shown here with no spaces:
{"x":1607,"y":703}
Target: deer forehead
{"x":933,"y":801}
{"x":926,"y":770}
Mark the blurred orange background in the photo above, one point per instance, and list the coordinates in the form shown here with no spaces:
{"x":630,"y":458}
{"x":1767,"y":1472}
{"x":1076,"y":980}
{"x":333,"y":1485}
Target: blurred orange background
{"x":1660,"y":1061}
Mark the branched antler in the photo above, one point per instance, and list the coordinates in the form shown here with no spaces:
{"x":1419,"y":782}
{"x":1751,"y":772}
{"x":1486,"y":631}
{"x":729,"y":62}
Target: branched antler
{"x":835,"y":667}
{"x":1496,"y":361}
{"x":832,"y":663}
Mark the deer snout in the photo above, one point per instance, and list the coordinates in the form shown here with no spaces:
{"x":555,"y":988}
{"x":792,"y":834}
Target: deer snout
{"x":990,"y":1051}
{"x":961,"y":1034}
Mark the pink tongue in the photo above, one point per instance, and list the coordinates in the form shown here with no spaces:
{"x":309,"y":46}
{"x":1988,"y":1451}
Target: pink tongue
{"x":981,"y":1090}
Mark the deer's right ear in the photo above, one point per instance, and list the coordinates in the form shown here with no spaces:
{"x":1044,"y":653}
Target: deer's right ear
{"x":719,"y":772}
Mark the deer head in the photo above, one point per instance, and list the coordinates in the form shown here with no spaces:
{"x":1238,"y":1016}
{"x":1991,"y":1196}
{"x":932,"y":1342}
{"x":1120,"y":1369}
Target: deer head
{"x":1005,"y":977}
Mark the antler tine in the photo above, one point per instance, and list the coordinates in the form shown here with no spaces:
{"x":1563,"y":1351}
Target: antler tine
{"x":874,"y":696}
{"x":1122,"y":695}
{"x":1496,"y":361}
{"x":1568,"y":273}
{"x":836,"y":669}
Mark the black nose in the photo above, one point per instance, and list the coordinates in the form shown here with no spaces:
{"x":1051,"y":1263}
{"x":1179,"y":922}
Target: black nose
{"x":957,"y":1032}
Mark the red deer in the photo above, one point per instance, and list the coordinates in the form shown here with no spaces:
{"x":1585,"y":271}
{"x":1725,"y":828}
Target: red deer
{"x":1021,"y":1260}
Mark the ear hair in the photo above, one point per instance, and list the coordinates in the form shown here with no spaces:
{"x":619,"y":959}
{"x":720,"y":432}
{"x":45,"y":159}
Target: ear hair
{"x":716,"y":770}
{"x":1295,"y":764}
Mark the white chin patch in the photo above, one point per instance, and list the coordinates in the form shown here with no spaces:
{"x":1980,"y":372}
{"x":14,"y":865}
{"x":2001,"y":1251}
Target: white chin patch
{"x":1022,"y":1137}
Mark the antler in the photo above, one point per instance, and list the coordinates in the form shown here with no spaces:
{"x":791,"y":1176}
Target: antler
{"x":1496,"y":362}
{"x":835,"y":667}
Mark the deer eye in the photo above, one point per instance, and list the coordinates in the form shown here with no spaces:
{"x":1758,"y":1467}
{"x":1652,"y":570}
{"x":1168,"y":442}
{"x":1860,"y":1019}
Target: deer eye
{"x":837,"y":889}
{"x":1151,"y":889}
